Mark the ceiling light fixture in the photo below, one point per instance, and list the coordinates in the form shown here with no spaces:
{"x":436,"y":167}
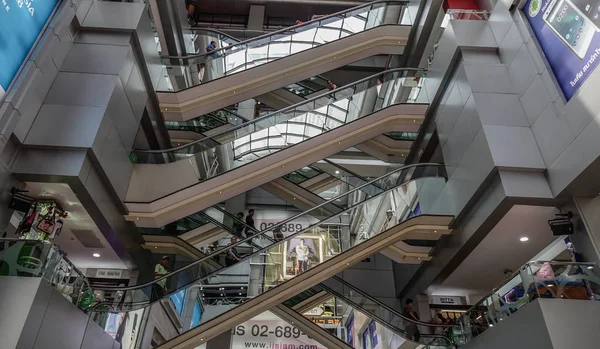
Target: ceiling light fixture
{"x":524,"y":239}
{"x":590,"y":267}
{"x":97,"y":255}
{"x":337,"y":172}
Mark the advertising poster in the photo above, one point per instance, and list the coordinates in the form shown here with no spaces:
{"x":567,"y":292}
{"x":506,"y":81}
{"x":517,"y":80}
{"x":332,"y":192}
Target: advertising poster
{"x":124,"y":327}
{"x":270,"y":332}
{"x":303,"y":253}
{"x":21,"y":22}
{"x":569,"y":34}
{"x":373,"y":333}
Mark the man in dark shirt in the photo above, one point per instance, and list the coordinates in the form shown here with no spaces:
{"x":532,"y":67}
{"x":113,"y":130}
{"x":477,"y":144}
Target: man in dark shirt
{"x":412,"y":331}
{"x":250,"y":230}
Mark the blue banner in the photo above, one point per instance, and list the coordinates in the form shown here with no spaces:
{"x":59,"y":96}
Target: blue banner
{"x":21,"y":22}
{"x":568,"y":33}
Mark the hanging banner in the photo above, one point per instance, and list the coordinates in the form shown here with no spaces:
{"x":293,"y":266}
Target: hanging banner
{"x":270,"y":332}
{"x":21,"y":22}
{"x":569,"y":34}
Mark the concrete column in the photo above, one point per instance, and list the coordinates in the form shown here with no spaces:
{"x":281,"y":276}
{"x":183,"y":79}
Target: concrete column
{"x":587,"y":219}
{"x":256,"y":17}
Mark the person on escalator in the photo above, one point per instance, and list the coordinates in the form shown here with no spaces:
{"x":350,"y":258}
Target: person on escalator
{"x":232,"y":256}
{"x":238,"y":225}
{"x":211,"y":50}
{"x":191,"y":9}
{"x":331,"y":86}
{"x":250,"y":230}
{"x":412,"y":331}
{"x":160,"y":287}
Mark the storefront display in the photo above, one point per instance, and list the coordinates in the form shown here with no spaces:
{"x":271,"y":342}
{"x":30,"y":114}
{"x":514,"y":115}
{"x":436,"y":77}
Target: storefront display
{"x":44,"y":221}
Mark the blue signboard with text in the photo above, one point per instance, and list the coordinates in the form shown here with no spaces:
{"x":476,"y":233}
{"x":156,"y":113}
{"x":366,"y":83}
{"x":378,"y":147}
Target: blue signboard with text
{"x":568,"y":32}
{"x":21,"y":22}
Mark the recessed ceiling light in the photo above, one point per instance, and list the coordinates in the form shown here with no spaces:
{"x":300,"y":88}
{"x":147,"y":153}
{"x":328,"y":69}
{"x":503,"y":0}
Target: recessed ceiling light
{"x":97,"y":255}
{"x":590,"y":267}
{"x":524,"y":239}
{"x":337,"y":172}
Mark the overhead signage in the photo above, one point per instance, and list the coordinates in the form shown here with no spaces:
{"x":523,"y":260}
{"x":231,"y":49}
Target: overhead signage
{"x":569,"y":34}
{"x":21,"y":22}
{"x":109,"y":273}
{"x":449,"y":300}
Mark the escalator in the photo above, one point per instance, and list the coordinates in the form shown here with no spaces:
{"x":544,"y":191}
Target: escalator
{"x":271,"y":146}
{"x":258,"y":66}
{"x":340,"y":254}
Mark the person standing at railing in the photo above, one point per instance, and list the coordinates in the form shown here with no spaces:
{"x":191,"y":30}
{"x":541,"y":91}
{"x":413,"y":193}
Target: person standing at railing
{"x":231,"y":255}
{"x":191,"y":9}
{"x":160,"y":287}
{"x":238,"y":225}
{"x":250,"y":230}
{"x":412,"y":331}
{"x":211,"y":50}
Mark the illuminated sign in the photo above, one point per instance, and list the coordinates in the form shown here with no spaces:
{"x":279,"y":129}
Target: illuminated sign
{"x":21,"y":22}
{"x":326,"y":320}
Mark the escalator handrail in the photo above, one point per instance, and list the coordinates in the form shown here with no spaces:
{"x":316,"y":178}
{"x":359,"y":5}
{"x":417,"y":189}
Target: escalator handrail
{"x":240,"y":126}
{"x":280,"y":224}
{"x":387,"y":307}
{"x":287,"y":29}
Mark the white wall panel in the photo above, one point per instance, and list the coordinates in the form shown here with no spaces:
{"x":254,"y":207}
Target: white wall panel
{"x":535,"y":100}
{"x":489,"y":78}
{"x":552,"y":133}
{"x":522,"y":70}
{"x":513,"y":147}
{"x":500,"y":109}
{"x":511,"y":44}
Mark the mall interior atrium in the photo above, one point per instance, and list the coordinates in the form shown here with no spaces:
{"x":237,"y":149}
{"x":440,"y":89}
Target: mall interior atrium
{"x":299,"y":174}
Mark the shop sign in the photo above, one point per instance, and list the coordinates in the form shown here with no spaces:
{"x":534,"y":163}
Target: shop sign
{"x":109,"y":273}
{"x":327,"y":320}
{"x":450,"y":300}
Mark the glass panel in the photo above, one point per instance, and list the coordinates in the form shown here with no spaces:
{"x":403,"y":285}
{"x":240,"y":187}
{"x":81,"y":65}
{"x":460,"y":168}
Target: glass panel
{"x":534,"y":280}
{"x":34,"y":258}
{"x":231,"y":57}
{"x":398,"y":323}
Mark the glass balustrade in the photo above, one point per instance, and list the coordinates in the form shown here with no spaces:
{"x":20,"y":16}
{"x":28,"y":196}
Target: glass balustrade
{"x":303,"y":174}
{"x":429,"y":333}
{"x":35,"y":258}
{"x":231,"y":58}
{"x":534,"y":280}
{"x":218,"y":218}
{"x":289,"y":253}
{"x":198,"y":38}
{"x":287,"y":127}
